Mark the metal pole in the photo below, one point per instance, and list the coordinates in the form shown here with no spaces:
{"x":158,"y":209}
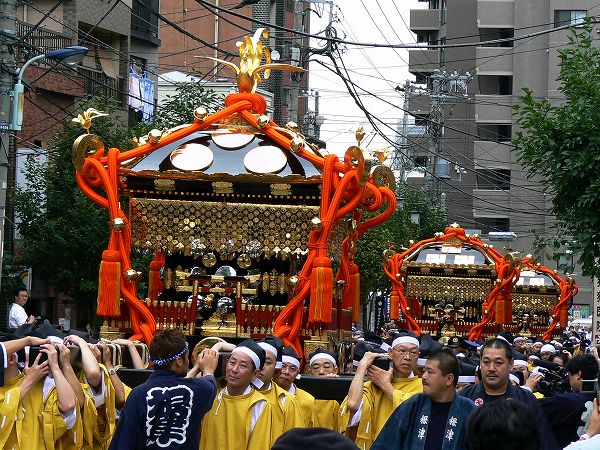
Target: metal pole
{"x":296,"y":50}
{"x":8,"y":25}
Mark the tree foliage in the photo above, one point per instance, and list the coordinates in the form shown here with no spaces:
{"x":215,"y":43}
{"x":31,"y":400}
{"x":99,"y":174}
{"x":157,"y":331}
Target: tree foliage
{"x":560,"y":144}
{"x":398,"y":230}
{"x":63,"y":233}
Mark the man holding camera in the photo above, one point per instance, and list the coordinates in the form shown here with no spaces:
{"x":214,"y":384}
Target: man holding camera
{"x":370,"y":404}
{"x":568,"y":413}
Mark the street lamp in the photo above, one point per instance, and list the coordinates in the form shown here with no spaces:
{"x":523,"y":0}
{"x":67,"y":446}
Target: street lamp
{"x":69,"y":55}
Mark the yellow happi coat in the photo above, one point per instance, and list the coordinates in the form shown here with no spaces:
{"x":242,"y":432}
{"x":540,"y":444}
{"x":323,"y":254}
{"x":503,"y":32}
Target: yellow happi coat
{"x":43,"y":425}
{"x":285,"y":411}
{"x":228,"y":423}
{"x":377,"y":408}
{"x":99,"y":424}
{"x":326,"y":414}
{"x":306,"y":402}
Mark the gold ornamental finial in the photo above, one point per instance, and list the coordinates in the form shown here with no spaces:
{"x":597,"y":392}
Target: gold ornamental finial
{"x":251,"y":56}
{"x":85,"y":119}
{"x":360,"y":134}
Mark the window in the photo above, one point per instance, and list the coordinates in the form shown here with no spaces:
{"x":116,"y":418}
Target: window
{"x":493,"y":179}
{"x":487,"y":224}
{"x":494,"y":132}
{"x":444,"y":12}
{"x":420,"y":161}
{"x":491,"y":34}
{"x":442,"y":52}
{"x":422,"y":37}
{"x":568,"y":17}
{"x":143,"y":19}
{"x":495,"y":84}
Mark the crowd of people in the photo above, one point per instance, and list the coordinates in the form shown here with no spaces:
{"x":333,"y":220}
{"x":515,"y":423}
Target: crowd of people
{"x":406,"y":392}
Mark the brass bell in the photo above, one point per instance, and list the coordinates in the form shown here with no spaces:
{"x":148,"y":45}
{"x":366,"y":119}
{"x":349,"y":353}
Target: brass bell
{"x":154,"y":136}
{"x":200,"y":113}
{"x":132,"y":275}
{"x":297,"y":144}
{"x":316,"y":224}
{"x":292,"y":126}
{"x":118,"y":224}
{"x":263,"y":121}
{"x":293,"y":281}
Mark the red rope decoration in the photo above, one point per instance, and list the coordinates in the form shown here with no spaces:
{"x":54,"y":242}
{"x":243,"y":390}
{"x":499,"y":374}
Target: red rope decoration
{"x":342,"y":193}
{"x":568,"y":289}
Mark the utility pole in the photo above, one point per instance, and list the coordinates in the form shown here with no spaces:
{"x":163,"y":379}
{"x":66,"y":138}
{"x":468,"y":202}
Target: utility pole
{"x":8,"y":26}
{"x":398,"y":163}
{"x":446,"y":87}
{"x":296,"y":60}
{"x":300,"y":53}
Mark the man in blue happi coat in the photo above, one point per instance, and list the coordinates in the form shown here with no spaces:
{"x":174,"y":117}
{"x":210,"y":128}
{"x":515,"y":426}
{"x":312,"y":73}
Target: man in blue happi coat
{"x":435,"y":419}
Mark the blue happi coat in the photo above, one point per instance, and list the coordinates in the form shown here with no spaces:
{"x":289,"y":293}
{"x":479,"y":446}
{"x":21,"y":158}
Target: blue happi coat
{"x":406,"y":429}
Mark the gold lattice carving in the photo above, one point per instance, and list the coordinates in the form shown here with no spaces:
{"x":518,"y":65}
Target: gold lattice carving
{"x":468,"y":289}
{"x":172,"y":225}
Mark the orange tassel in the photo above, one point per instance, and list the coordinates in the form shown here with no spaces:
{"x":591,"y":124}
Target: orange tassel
{"x":394,"y":306}
{"x":500,"y":310}
{"x":321,"y":291}
{"x":155,"y":284}
{"x":109,"y":284}
{"x":353,"y":293}
{"x":563,"y":317}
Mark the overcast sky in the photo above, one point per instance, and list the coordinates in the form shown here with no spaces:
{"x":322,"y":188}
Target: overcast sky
{"x":378,"y":70}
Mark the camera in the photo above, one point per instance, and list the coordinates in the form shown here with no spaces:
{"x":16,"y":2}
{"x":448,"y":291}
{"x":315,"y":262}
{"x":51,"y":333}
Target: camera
{"x":34,"y":351}
{"x":554,"y":382}
{"x":383,"y":362}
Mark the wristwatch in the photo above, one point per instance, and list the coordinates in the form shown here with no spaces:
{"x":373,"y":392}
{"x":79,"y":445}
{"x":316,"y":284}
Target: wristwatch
{"x":111,"y":371}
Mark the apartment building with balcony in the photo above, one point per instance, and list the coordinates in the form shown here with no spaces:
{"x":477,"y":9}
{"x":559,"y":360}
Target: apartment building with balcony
{"x":492,"y":192}
{"x":119,"y":35}
{"x":182,"y":52}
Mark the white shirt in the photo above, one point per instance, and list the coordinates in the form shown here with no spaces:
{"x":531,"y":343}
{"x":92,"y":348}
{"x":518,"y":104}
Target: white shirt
{"x":17,"y":316}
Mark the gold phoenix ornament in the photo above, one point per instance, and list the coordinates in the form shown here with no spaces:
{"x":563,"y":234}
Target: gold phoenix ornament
{"x":85,"y":119}
{"x":251,"y":56}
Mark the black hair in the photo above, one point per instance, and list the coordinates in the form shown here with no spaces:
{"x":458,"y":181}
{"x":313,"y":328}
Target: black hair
{"x":499,"y":344}
{"x":19,"y":290}
{"x":447,"y":362}
{"x":166,"y":344}
{"x":503,"y":425}
{"x":586,"y":364}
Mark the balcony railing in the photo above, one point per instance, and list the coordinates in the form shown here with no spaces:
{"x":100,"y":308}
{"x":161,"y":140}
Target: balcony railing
{"x":98,"y":83}
{"x":43,"y":39}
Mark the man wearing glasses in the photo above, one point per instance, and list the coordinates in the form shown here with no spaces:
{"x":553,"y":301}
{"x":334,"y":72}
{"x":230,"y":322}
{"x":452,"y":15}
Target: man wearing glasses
{"x":369,"y":404}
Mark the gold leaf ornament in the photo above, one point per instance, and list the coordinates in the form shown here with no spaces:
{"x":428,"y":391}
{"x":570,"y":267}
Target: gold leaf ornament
{"x":252,"y":52}
{"x":85,"y":119}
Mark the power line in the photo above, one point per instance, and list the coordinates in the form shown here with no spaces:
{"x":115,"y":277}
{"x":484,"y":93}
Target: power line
{"x":376,"y":45}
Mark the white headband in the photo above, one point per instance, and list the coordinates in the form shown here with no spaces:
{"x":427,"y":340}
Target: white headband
{"x":519,"y":338}
{"x":547,"y":348}
{"x":250,"y":353}
{"x":405,"y":340}
{"x":514,"y":378}
{"x":421,"y":362}
{"x":466,"y":379}
{"x":503,"y":338}
{"x":291,"y":360}
{"x":519,"y":362}
{"x":269,"y":348}
{"x":326,"y":356}
{"x":385,"y":346}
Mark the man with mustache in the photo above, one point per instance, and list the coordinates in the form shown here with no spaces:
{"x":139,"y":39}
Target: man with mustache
{"x":496,"y":364}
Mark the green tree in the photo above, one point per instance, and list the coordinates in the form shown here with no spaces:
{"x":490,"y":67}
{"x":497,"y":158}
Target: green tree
{"x":63,"y":233}
{"x":560,"y":144}
{"x":398,"y":230}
